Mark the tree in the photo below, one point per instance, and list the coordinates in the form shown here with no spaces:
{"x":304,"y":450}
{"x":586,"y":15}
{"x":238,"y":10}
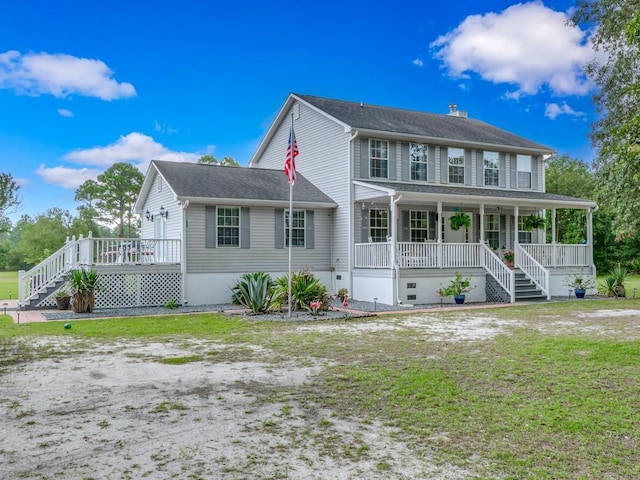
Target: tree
{"x":112,"y":196}
{"x":9,"y":198}
{"x":616,"y":134}
{"x":211,"y":160}
{"x":43,"y":235}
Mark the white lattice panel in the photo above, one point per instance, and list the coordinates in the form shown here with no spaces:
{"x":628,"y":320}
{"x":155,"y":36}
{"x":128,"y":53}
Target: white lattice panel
{"x":138,"y":289}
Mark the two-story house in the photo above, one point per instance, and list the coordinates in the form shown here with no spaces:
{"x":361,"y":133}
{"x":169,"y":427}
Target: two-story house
{"x":378,"y":193}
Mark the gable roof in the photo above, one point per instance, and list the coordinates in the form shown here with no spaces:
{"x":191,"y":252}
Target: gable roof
{"x":209,"y":183}
{"x":408,"y":122}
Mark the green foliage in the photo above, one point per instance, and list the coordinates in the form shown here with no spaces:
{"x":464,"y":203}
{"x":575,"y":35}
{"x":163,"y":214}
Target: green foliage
{"x":9,"y":197}
{"x":82,"y":284}
{"x":533,"y":221}
{"x":458,"y":286}
{"x":459,"y":220}
{"x":211,"y":160}
{"x":171,"y":305}
{"x":613,"y":283}
{"x":254,"y":291}
{"x":579,"y":281}
{"x":305,"y":288}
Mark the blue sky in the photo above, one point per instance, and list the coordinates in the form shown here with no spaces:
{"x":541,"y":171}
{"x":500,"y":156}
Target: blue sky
{"x":87,"y":84}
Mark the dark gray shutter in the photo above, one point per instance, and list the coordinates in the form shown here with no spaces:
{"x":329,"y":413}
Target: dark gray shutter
{"x":503,"y":231}
{"x":406,"y":233}
{"x":364,"y":225}
{"x":433,"y":219}
{"x":405,"y":162}
{"x":309,"y":230}
{"x":514,"y":171}
{"x":467,"y":167}
{"x":364,"y":158}
{"x":480,"y":168}
{"x":279,"y":228}
{"x":534,"y":172}
{"x":245,"y":228}
{"x":392,"y":162}
{"x":477,"y":230}
{"x":444,"y":165}
{"x":210,"y":227}
{"x":502,"y":172}
{"x":431,"y":163}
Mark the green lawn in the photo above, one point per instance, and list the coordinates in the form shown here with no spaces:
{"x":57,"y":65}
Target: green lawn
{"x":632,"y":282}
{"x":8,"y":285}
{"x":544,"y":400}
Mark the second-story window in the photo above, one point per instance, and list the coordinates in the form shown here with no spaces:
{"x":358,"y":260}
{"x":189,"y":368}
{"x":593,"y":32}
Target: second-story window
{"x":418,"y":155}
{"x":524,"y":171}
{"x":491,"y":169}
{"x":379,"y":158}
{"x":378,"y":225}
{"x":456,"y":165}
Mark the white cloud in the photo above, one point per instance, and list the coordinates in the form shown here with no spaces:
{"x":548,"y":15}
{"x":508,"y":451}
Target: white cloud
{"x":552,"y":110}
{"x":418,"y":62}
{"x":163,"y":128}
{"x":60,"y":75}
{"x":63,"y":112}
{"x":527,"y":45}
{"x":66,"y":177}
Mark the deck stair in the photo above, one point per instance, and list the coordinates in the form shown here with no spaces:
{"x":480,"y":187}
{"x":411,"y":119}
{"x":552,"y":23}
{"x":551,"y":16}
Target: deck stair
{"x":525,"y":288}
{"x":45,"y":292}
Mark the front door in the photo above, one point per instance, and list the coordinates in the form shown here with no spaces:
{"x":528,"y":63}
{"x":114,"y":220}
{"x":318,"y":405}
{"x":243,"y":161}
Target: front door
{"x":455,"y":236}
{"x":160,"y":233}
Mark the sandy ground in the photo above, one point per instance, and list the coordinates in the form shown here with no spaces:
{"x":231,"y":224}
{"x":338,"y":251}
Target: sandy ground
{"x":116,"y":412}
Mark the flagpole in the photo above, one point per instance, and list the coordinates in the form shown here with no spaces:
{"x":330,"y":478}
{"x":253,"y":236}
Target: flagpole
{"x":290,"y":217}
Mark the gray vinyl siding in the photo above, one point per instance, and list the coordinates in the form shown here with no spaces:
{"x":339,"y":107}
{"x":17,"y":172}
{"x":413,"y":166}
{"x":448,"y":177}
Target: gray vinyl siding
{"x":263,"y":255}
{"x":324,"y":160}
{"x":166,"y":199}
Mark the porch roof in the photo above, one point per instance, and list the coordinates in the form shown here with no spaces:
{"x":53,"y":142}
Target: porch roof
{"x":468,"y":195}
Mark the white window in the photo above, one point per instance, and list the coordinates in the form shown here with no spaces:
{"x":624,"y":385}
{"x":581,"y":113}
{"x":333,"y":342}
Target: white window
{"x":456,"y":165}
{"x":379,"y":158}
{"x":491,"y":169}
{"x":418,"y":156}
{"x":492,"y":230}
{"x":228,"y":226}
{"x":524,"y":236}
{"x":378,"y":224}
{"x":524,"y":171}
{"x":419,"y":225}
{"x":297,"y":228}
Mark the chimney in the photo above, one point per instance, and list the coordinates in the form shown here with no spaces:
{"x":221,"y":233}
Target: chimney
{"x":454,"y":112}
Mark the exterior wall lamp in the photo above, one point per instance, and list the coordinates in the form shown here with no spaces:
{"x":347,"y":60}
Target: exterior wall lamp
{"x":148,"y":215}
{"x":164,"y":213}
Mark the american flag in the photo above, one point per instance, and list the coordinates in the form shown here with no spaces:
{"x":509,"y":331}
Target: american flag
{"x":290,"y":161}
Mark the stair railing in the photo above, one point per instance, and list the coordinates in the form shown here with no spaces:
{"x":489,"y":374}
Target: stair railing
{"x":494,"y":265}
{"x":533,"y":270}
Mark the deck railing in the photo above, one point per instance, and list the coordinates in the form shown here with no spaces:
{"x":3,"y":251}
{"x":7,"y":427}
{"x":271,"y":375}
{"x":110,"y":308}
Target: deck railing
{"x":533,"y":269}
{"x":373,"y":255}
{"x":417,"y":255}
{"x":559,"y":255}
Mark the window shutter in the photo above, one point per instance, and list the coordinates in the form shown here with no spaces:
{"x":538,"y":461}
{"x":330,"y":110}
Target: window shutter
{"x":479,"y":168}
{"x":444,"y":165}
{"x":406,"y":232}
{"x":392,"y":160}
{"x":534,"y":172}
{"x":210,"y":227}
{"x":503,"y":231}
{"x":279,"y":228}
{"x":364,"y":225}
{"x":431,"y":163}
{"x":477,"y":229}
{"x":467,"y":167}
{"x":405,"y":162}
{"x":433,"y":219}
{"x":245,"y":228}
{"x":309,"y":230}
{"x":514,"y":171}
{"x":502,"y":172}
{"x":364,"y":158}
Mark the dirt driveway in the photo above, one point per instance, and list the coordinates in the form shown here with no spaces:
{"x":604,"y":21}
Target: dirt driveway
{"x":120,"y":410}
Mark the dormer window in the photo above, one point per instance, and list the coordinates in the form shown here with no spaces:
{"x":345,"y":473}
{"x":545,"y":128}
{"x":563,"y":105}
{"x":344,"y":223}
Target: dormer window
{"x":456,"y":165}
{"x":491,"y":169}
{"x":418,"y":155}
{"x":524,"y":171}
{"x":379,"y":158}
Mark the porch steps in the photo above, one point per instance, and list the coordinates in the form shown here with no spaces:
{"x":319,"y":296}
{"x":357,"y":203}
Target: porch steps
{"x":526,"y":289}
{"x":51,"y":288}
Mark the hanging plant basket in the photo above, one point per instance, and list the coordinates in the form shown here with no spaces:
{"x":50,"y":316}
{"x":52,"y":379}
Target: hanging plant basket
{"x":459,"y":220}
{"x":533,"y":221}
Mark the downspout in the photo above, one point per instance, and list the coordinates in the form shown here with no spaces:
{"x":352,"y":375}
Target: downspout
{"x":394,"y":242}
{"x":183,"y":253}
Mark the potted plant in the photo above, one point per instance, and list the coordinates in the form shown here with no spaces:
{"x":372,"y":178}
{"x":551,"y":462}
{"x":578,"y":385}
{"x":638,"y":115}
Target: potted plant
{"x":533,"y":221}
{"x":63,"y":299}
{"x":509,"y":258}
{"x":457,"y":288}
{"x":580,"y":284}
{"x":343,"y":294}
{"x":83,"y":284}
{"x":459,"y":220}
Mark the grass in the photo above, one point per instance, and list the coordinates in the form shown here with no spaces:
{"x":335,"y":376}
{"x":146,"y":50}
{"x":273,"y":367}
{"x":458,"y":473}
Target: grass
{"x":632,"y":282}
{"x":563,"y":404}
{"x":8,"y":285}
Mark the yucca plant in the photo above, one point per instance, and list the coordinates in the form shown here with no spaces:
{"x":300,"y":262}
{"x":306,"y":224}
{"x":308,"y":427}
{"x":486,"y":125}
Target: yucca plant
{"x":82,"y":284}
{"x":254,"y":291}
{"x":305,"y":288}
{"x":609,"y":286}
{"x":619,"y":273}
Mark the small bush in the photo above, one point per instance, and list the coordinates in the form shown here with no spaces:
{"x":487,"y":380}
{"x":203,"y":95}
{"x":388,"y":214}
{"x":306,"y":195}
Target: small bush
{"x":305,"y":288}
{"x":254,"y":291}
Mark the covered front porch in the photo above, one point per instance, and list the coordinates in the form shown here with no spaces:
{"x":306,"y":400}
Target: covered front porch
{"x":406,"y":227}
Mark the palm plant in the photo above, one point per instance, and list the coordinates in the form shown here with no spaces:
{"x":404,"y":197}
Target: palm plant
{"x":254,"y":291}
{"x":82,"y":284}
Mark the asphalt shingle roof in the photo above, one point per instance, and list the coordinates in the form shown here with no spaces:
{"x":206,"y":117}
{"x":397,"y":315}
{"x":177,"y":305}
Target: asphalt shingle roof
{"x":408,"y":122}
{"x":211,"y":181}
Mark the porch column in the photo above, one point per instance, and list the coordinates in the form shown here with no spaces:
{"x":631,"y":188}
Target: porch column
{"x":439,"y":233}
{"x":553,"y":236}
{"x":590,"y":234}
{"x":516,"y":213}
{"x":394,"y":229}
{"x":482,"y":223}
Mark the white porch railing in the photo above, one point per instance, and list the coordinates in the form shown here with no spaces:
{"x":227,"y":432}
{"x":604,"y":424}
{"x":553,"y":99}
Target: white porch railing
{"x":417,"y":255}
{"x":461,"y":255}
{"x":92,"y":252}
{"x":505,"y":277}
{"x":373,"y":255}
{"x":559,"y":255}
{"x":533,"y":269}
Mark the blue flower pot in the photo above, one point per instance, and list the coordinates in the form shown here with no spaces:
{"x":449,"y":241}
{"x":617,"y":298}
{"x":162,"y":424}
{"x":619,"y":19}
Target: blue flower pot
{"x":459,"y":299}
{"x":580,"y":292}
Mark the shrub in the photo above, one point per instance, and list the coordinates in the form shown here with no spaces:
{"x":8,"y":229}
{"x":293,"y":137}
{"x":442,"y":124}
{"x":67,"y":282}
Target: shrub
{"x":305,"y":288}
{"x":254,"y":291}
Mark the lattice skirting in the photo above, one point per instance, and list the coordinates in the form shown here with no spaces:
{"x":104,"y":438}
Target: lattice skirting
{"x":494,"y":292}
{"x":133,"y":290}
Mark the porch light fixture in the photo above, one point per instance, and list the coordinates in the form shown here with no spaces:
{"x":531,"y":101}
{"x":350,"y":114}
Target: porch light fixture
{"x":164,"y":213}
{"x":148,"y":215}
